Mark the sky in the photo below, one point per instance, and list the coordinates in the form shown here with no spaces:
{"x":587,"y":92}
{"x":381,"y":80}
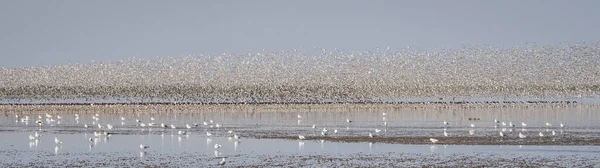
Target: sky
{"x":62,"y":32}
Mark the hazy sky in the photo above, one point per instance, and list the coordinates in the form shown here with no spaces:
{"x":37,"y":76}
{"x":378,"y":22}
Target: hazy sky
{"x":57,"y":32}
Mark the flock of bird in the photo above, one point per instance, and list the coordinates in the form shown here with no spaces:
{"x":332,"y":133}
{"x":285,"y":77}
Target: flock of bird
{"x":501,"y":133}
{"x":49,"y":120}
{"x":106,"y":130}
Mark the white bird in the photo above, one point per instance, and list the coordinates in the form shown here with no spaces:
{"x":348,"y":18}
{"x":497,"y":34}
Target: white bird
{"x":522,"y":136}
{"x":371,"y":135}
{"x":109,"y":126}
{"x":31,"y":137}
{"x":96,"y":134}
{"x":471,"y":132}
{"x":58,"y":142}
{"x":377,"y":130}
{"x":446,"y":123}
{"x":314,"y":126}
{"x":335,"y":131}
{"x":137,"y":120}
{"x":503,"y":123}
{"x":142,"y":125}
{"x":230,"y":131}
{"x":348,"y":120}
{"x":325,"y":130}
{"x":472,"y":125}
{"x":384,"y":114}
{"x":445,"y":133}
{"x":301,"y":137}
{"x":150,"y":124}
{"x":217,"y":146}
{"x":562,"y":125}
{"x":48,"y":115}
{"x":222,"y":162}
{"x":58,"y":117}
{"x":152,"y":118}
{"x":99,"y":126}
{"x":548,"y":124}
{"x":163,"y":125}
{"x":211,"y":121}
{"x":385,"y":123}
{"x":523,"y":124}
{"x":208,"y":134}
{"x":144,"y":146}
{"x":91,"y":140}
{"x":323,"y":133}
{"x":188,"y":126}
{"x":433,"y":140}
{"x":236,"y":136}
{"x":541,"y":134}
{"x":36,"y":135}
{"x":181,"y":132}
{"x":205,"y":123}
{"x":501,"y":134}
{"x":173,"y":126}
{"x":218,"y":125}
{"x":299,"y":117}
{"x":122,"y":118}
{"x":553,"y":133}
{"x":496,"y":121}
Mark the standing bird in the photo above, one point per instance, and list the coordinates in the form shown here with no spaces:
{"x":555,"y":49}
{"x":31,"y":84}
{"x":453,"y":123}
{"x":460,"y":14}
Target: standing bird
{"x":562,"y":125}
{"x":142,"y":146}
{"x":446,"y":123}
{"x":299,"y":117}
{"x":523,"y":124}
{"x":445,"y":133}
{"x":208,"y":134}
{"x":58,"y":142}
{"x":217,"y":146}
{"x":301,"y":137}
{"x":522,"y":136}
{"x":348,"y":120}
{"x":472,"y":125}
{"x":501,"y":134}
{"x":433,"y":140}
{"x":541,"y":134}
{"x":371,"y":135}
{"x":548,"y":124}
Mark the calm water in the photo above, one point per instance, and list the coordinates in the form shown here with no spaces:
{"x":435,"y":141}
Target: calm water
{"x":581,"y":121}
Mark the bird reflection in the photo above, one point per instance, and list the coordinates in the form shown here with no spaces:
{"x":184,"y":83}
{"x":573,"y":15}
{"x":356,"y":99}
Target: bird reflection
{"x":299,"y":122}
{"x":433,"y":148}
{"x":301,"y":145}
{"x":235,"y":145}
{"x":142,"y":153}
{"x":56,"y":149}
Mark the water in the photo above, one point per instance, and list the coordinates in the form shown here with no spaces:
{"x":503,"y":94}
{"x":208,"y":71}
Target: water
{"x":269,"y":137}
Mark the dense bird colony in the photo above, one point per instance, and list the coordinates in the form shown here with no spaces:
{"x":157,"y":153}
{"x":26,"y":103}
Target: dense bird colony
{"x":319,"y":76}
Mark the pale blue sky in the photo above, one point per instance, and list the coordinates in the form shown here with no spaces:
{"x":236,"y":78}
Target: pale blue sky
{"x":57,"y":32}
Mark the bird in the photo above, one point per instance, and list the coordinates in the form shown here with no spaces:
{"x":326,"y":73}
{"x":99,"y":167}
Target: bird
{"x":99,"y":126}
{"x":522,"y":136}
{"x":562,"y":125}
{"x":163,"y":125}
{"x":511,"y":124}
{"x":236,"y":136}
{"x":472,"y":125}
{"x":208,"y":134}
{"x":211,"y":121}
{"x":335,"y":131}
{"x":218,"y":125}
{"x":230,"y":131}
{"x":433,"y":140}
{"x":323,"y":133}
{"x":377,"y":130}
{"x":384,"y":113}
{"x":541,"y":134}
{"x":503,"y":123}
{"x":109,"y":126}
{"x":301,"y":137}
{"x":142,"y":125}
{"x":222,"y":162}
{"x":385,"y":123}
{"x":217,"y":146}
{"x":58,"y":142}
{"x":91,"y":140}
{"x":142,"y":146}
{"x":181,"y":132}
{"x":204,"y":123}
{"x":371,"y":135}
{"x":173,"y":126}
{"x":299,"y":117}
{"x":152,"y":118}
{"x":523,"y":124}
{"x":501,"y":134}
{"x":314,"y":126}
{"x":548,"y":124}
{"x":445,"y":133}
{"x":36,"y":135}
{"x":137,"y":120}
{"x":325,"y":130}
{"x":122,"y":118}
{"x":31,"y":137}
{"x":496,"y":121}
{"x":348,"y":120}
{"x":188,"y":126}
{"x":553,"y":133}
{"x":446,"y":123}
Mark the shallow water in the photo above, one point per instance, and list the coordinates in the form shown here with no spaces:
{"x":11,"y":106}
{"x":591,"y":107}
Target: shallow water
{"x":265,"y":138}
